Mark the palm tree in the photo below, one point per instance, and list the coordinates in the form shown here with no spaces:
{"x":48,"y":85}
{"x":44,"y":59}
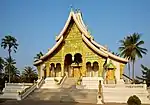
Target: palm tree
{"x":117,"y":54}
{"x":145,"y":75}
{"x":131,"y":49}
{"x":10,"y":43}
{"x":9,"y":63}
{"x":38,"y":56}
{"x":10,"y":69}
{"x":1,"y":64}
{"x":29,"y":74}
{"x":124,"y":52}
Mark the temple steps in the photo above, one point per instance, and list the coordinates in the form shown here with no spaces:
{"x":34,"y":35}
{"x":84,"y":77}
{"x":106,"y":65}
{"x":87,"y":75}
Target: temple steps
{"x":11,"y":90}
{"x":66,"y":93}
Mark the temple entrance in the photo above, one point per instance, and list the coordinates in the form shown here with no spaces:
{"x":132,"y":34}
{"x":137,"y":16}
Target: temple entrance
{"x":58,"y":70}
{"x":76,"y":71}
{"x":89,"y":69}
{"x":77,"y":65}
{"x":72,"y":67}
{"x":52,"y":70}
{"x":95,"y":69}
{"x":67,"y":65}
{"x":92,"y":71}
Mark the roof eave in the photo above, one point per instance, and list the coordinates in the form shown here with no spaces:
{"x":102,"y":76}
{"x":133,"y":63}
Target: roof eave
{"x":37,"y":62}
{"x":118,"y":58}
{"x":93,"y":47}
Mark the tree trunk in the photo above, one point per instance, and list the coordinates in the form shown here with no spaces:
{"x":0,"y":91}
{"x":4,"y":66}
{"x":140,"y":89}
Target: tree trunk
{"x":9,"y":51}
{"x":129,"y":68}
{"x":133,"y":70}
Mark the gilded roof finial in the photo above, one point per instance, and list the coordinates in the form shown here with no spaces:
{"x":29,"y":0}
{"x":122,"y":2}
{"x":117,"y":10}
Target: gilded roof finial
{"x":71,"y":7}
{"x":79,"y":10}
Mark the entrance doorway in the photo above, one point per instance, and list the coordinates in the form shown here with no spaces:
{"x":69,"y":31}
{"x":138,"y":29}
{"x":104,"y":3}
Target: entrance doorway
{"x":77,"y":65}
{"x":67,"y":64}
{"x":72,"y":67}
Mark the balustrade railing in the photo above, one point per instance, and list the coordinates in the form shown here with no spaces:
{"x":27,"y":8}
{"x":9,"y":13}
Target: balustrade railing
{"x":62,"y":80}
{"x":124,"y":85}
{"x":40,"y":83}
{"x":26,"y":92}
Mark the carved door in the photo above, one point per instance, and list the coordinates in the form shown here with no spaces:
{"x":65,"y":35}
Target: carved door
{"x":76,"y":71}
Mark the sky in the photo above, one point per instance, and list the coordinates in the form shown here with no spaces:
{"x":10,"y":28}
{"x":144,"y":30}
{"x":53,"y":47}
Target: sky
{"x":35,"y":24}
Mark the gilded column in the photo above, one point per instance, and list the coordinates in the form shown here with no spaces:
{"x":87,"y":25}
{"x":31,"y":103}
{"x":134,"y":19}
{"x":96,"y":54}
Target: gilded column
{"x":39,"y":71}
{"x":84,"y":69}
{"x":62,"y":60}
{"x":84,"y":65}
{"x":101,"y":63}
{"x":121,"y":70}
{"x":62,"y":69}
{"x":47,"y":69}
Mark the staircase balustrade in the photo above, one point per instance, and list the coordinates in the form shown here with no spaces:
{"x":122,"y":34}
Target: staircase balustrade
{"x":40,"y":83}
{"x":26,"y":92}
{"x":62,"y":80}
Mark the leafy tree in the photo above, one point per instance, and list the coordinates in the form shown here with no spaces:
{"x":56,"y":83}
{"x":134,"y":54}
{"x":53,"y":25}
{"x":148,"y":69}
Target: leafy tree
{"x":123,"y":52}
{"x":13,"y":72}
{"x":1,"y":64}
{"x":29,"y":75}
{"x":145,"y":75}
{"x":131,"y":49}
{"x":2,"y":81}
{"x":117,"y":54}
{"x":38,"y":56}
{"x":9,"y":43}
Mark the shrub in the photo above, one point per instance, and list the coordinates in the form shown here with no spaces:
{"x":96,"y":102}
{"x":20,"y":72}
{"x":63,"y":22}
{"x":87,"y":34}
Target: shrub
{"x":134,"y":100}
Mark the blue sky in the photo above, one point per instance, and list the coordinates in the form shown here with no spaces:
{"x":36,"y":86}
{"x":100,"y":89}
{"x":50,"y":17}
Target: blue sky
{"x":35,"y":24}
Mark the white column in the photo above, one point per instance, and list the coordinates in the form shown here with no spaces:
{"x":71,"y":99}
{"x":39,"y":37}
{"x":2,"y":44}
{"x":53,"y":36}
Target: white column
{"x":41,"y":71}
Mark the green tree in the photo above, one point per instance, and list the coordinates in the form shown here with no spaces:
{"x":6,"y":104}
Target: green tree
{"x":124,"y":51}
{"x":145,"y":75}
{"x":11,"y":70}
{"x":1,"y":64}
{"x":38,"y":56}
{"x":9,"y":43}
{"x":131,"y":48}
{"x":117,"y":54}
{"x":29,"y":75}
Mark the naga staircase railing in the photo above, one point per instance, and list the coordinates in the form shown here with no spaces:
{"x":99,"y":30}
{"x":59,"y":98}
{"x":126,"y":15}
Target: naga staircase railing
{"x":40,"y":83}
{"x":62,"y":80}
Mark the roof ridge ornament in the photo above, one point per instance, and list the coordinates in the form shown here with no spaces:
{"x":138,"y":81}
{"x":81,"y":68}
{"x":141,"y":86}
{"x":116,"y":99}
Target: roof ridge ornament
{"x":71,"y":7}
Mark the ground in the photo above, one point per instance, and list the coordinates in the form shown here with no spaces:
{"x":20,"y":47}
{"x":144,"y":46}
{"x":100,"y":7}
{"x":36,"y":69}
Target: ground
{"x":30,"y":102}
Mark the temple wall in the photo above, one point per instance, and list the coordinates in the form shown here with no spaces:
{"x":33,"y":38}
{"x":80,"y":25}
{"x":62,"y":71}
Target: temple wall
{"x":38,"y":68}
{"x":73,"y":44}
{"x":119,"y":68}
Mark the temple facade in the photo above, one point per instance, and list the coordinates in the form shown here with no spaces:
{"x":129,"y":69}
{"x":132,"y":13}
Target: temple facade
{"x":76,"y":54}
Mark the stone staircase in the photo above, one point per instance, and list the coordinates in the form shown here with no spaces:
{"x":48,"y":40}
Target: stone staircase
{"x":50,"y":83}
{"x":11,"y":90}
{"x":66,"y":93}
{"x":121,"y":93}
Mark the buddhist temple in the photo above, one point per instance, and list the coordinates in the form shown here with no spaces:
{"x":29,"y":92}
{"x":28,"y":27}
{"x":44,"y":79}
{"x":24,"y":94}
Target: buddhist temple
{"x":76,"y":54}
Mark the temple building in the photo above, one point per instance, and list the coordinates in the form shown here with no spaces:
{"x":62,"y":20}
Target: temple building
{"x":76,"y":54}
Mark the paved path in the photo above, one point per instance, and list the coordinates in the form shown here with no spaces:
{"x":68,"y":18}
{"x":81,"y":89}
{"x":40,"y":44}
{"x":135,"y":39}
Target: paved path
{"x":31,"y":102}
{"x":149,"y":91}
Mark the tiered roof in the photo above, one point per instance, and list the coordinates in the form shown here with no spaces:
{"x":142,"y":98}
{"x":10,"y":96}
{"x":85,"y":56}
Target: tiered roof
{"x":87,"y":38}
